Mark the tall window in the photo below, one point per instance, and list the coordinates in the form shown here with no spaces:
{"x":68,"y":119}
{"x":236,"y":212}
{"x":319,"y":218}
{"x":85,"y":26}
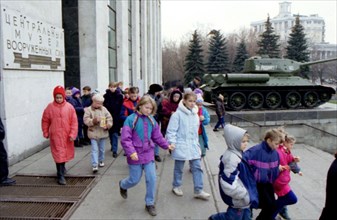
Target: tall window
{"x":112,"y":41}
{"x":130,"y":41}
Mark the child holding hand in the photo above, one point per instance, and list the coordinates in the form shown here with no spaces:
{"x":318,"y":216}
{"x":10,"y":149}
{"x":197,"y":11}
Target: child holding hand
{"x":281,"y":185}
{"x":182,"y":131}
{"x":99,"y":120}
{"x":139,"y":134}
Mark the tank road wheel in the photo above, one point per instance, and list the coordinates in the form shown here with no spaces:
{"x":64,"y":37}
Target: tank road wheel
{"x":293,"y":99}
{"x":325,"y":96}
{"x":310,"y":99}
{"x":273,"y":100}
{"x":255,"y":100}
{"x":237,"y":101}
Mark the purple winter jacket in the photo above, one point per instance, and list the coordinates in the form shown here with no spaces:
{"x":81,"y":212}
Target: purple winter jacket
{"x":139,"y":133}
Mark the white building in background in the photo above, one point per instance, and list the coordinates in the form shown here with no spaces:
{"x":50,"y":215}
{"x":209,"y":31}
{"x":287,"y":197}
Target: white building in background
{"x":70,"y":43}
{"x":314,"y":28}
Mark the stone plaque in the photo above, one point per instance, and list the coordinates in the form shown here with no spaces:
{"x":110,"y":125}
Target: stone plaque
{"x":29,"y":43}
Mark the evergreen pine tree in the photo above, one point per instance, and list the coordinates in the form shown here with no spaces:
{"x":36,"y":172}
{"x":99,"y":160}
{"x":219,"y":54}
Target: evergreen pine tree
{"x":268,"y":44}
{"x":217,"y":51}
{"x":240,"y":57}
{"x":297,"y":48}
{"x":194,"y":65}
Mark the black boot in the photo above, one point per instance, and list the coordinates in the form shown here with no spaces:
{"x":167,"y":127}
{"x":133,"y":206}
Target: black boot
{"x":60,"y":173}
{"x":77,"y":143}
{"x":84,"y":142}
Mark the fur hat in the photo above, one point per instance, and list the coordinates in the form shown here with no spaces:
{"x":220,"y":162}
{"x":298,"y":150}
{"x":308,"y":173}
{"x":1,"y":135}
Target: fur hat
{"x":59,"y":90}
{"x":155,"y":88}
{"x":75,"y":91}
{"x":199,"y":98}
{"x":98,"y":97}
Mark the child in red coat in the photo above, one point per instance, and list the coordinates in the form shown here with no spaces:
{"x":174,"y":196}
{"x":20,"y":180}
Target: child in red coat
{"x":59,"y":124}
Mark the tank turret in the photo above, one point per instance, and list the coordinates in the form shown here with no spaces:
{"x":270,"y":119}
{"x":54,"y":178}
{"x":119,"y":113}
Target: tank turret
{"x":273,"y":66}
{"x":267,"y":83}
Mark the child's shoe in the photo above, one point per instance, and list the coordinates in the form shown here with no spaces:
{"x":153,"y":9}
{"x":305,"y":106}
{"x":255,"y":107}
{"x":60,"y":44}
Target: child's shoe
{"x":123,"y":192}
{"x":157,"y":158}
{"x":215,"y":129}
{"x":284,"y":213}
{"x":94,"y":169}
{"x":202,"y":195}
{"x":151,"y":209}
{"x":101,"y":164}
{"x":177,"y":191}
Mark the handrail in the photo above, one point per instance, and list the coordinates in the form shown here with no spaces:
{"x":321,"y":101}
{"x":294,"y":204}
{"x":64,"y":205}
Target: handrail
{"x":321,"y":130}
{"x":243,"y":119}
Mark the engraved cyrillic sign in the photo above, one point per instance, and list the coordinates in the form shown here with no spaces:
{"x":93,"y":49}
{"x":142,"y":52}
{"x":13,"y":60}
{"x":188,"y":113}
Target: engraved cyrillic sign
{"x":29,"y":43}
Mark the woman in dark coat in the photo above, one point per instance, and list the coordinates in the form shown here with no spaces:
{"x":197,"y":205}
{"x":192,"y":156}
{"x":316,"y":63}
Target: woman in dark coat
{"x":329,"y":211}
{"x":113,"y":101}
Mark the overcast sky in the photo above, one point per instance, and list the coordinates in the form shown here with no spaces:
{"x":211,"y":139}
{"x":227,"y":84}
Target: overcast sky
{"x":181,"y":17}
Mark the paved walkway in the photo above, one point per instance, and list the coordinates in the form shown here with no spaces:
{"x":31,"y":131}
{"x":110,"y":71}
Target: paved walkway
{"x":104,"y":201}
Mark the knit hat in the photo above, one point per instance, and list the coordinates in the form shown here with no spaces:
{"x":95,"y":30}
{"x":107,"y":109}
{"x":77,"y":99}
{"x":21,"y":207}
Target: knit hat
{"x":155,"y":88}
{"x":199,"y":98}
{"x":59,"y":90}
{"x":98,"y":97}
{"x":198,"y":91}
{"x":75,"y":91}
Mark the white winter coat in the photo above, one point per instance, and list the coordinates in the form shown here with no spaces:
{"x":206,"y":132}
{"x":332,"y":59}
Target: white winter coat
{"x":182,"y":131}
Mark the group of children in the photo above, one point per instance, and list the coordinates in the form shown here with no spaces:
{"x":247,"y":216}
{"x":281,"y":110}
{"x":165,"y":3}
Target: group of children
{"x":249,"y":178}
{"x":185,"y":135}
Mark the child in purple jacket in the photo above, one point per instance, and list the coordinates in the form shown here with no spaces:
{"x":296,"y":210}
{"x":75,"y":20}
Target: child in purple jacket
{"x":139,"y":134}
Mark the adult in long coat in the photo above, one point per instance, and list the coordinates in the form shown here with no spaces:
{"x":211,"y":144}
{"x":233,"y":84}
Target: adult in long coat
{"x":329,"y":211}
{"x":59,"y":124}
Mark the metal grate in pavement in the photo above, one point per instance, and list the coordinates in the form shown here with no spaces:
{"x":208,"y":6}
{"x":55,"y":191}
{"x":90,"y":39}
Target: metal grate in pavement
{"x":34,"y":210}
{"x":51,"y":180}
{"x":40,"y":197}
{"x":64,"y":192}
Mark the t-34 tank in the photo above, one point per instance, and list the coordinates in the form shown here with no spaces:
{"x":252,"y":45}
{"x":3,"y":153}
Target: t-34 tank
{"x":267,"y":83}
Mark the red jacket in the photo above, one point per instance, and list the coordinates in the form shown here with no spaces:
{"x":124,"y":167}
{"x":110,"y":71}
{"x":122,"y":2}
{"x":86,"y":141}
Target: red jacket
{"x":59,"y":124}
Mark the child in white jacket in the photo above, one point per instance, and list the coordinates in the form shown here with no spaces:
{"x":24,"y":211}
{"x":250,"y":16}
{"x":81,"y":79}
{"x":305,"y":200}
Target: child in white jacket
{"x":182,"y":132}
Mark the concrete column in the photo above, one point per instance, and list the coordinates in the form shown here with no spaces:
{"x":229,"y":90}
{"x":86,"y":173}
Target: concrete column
{"x":135,"y":41}
{"x":159,"y":48}
{"x":102,"y":43}
{"x":154,"y":42}
{"x":149,"y":44}
{"x":144,"y":36}
{"x":93,"y":38}
{"x":122,"y":42}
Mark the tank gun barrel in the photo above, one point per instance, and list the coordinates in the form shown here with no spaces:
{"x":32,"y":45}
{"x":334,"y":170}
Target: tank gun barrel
{"x":317,"y":62}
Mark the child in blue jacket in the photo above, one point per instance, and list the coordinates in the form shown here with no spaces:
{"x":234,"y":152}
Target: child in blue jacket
{"x":265,"y":164}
